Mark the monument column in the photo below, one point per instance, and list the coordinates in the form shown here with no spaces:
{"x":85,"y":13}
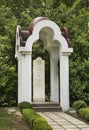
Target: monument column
{"x":24,"y":78}
{"x":64,"y":81}
{"x":28,"y":75}
{"x":54,"y":79}
{"x":19,"y":78}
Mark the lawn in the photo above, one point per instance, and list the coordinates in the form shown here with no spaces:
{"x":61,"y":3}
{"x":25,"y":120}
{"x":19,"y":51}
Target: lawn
{"x":6,"y":120}
{"x":12,"y":121}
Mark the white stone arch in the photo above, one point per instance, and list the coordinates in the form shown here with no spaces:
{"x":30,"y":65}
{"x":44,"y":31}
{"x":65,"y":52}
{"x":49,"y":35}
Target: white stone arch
{"x":58,"y":49}
{"x":42,"y":24}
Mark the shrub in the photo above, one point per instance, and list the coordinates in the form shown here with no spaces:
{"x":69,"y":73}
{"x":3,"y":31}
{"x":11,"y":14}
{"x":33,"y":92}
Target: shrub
{"x":79,"y":104}
{"x":30,"y":115}
{"x":42,"y":126}
{"x":35,"y":120}
{"x":84,"y":112}
{"x":24,"y":105}
{"x":39,"y":119}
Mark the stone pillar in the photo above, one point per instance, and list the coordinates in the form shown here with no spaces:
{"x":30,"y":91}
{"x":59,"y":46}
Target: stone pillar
{"x":28,"y":75}
{"x":24,"y":78}
{"x":64,"y":81}
{"x":19,"y":78}
{"x":54,"y":79}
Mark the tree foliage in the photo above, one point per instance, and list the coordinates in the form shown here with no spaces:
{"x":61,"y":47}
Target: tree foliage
{"x":8,"y":75}
{"x":66,"y":13}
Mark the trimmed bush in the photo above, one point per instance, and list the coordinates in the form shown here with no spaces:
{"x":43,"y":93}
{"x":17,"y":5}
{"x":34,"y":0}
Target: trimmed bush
{"x":24,"y":105}
{"x":42,"y":126}
{"x":84,"y":112}
{"x":79,"y":104}
{"x":35,"y":120}
{"x":39,"y":119}
{"x":30,"y":115}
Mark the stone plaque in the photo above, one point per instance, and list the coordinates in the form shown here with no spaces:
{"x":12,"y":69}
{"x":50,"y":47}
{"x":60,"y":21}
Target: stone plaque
{"x":38,"y":80}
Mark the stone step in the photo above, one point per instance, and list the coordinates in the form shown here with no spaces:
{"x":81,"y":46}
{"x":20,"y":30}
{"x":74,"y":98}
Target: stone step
{"x":46,"y":107}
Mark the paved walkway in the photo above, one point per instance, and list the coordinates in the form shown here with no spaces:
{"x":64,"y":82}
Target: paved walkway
{"x":63,"y":121}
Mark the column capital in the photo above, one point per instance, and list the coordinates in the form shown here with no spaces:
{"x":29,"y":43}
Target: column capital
{"x":66,"y":53}
{"x":25,"y":51}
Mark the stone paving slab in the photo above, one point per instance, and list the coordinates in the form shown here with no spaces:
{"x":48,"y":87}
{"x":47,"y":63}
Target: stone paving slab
{"x":63,"y":121}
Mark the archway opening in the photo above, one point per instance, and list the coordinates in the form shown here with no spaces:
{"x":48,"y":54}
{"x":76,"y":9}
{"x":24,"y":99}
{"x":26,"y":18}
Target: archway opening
{"x":38,"y":50}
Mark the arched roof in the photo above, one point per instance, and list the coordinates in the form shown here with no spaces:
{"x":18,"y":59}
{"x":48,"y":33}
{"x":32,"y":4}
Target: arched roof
{"x":35,"y":21}
{"x":24,"y":34}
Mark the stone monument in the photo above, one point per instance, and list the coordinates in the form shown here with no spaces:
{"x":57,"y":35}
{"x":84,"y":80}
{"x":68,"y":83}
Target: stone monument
{"x":58,"y":45}
{"x":38,"y":80}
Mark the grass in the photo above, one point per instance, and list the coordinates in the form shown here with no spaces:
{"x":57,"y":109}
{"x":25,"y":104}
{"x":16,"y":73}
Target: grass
{"x":6,"y":120}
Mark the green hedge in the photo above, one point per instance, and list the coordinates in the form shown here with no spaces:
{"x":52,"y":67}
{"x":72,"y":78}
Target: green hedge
{"x":79,"y":104}
{"x":84,"y":112}
{"x":24,"y":105}
{"x":35,"y":120}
